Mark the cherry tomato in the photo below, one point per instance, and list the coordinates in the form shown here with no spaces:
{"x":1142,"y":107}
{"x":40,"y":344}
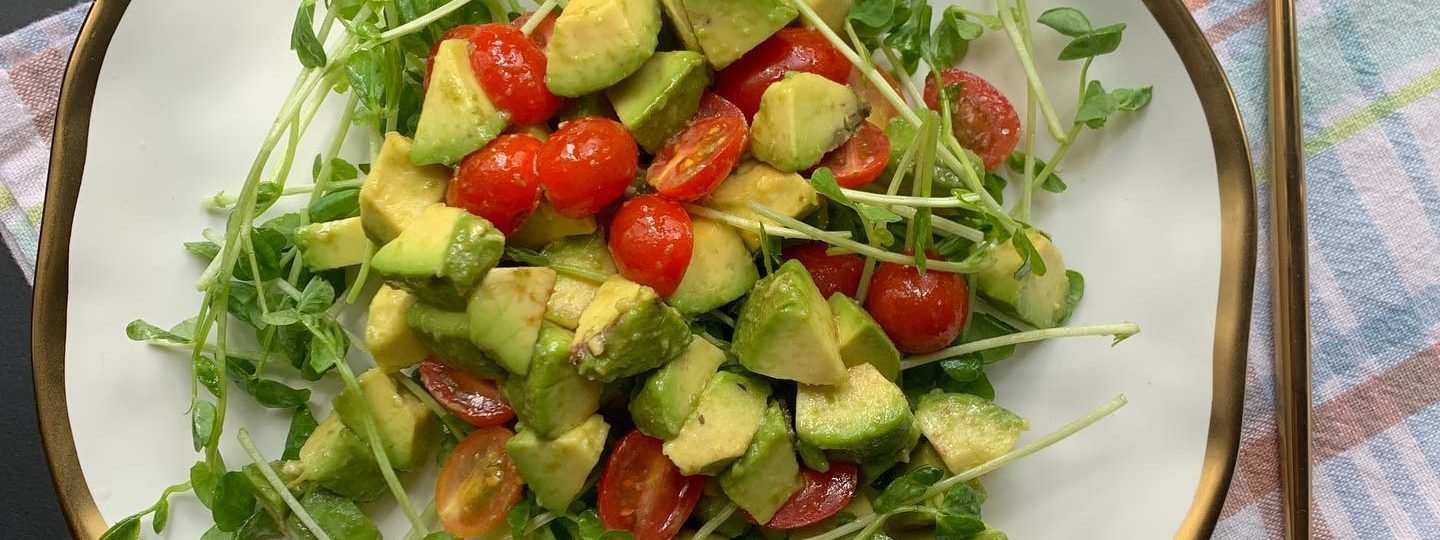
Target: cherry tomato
{"x":587,"y":164}
{"x":472,"y":399}
{"x":790,"y":49}
{"x":921,"y":313}
{"x":641,"y":491}
{"x":478,"y":484}
{"x":499,"y":182}
{"x":881,"y":111}
{"x":983,"y":120}
{"x":699,"y":157}
{"x":832,"y":273}
{"x":823,"y":495}
{"x":861,"y":159}
{"x":712,"y":105}
{"x":510,"y":68}
{"x":651,"y":239}
{"x":543,"y":32}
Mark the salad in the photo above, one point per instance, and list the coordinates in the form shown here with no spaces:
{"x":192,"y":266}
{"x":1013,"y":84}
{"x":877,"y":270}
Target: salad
{"x":638,"y":269}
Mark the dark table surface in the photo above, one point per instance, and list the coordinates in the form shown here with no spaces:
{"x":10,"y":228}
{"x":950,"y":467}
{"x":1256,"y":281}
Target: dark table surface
{"x":28,"y":508}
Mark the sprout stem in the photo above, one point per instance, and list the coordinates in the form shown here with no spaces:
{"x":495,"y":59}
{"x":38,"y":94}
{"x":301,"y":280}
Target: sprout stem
{"x":284,"y":492}
{"x":752,"y":225}
{"x":837,"y":239}
{"x":1119,"y":330}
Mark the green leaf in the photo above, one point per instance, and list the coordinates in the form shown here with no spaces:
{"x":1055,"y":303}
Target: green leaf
{"x":162,"y":515}
{"x":1131,"y":99}
{"x":302,"y":424}
{"x":1052,"y":182}
{"x":125,"y":529}
{"x":519,"y":516}
{"x":439,"y":535}
{"x":206,"y":250}
{"x":203,"y":481}
{"x":302,"y":37}
{"x":335,"y":205}
{"x":986,"y":326}
{"x":207,"y":374}
{"x":233,"y":501}
{"x":339,"y":517}
{"x":1095,"y":107}
{"x":964,"y":369}
{"x":283,"y":317}
{"x":813,"y":457}
{"x":341,"y":170}
{"x":202,"y":423}
{"x":911,"y":38}
{"x":140,"y":330}
{"x":317,"y":297}
{"x":1099,"y":41}
{"x":876,"y":214}
{"x":952,"y":38}
{"x":1067,"y":21}
{"x":959,"y":517}
{"x":906,"y":488}
{"x":589,"y":525}
{"x":276,"y":395}
{"x":995,"y":185}
{"x":1076,"y":293}
{"x":366,"y":73}
{"x":873,"y":14}
{"x":1031,"y":259}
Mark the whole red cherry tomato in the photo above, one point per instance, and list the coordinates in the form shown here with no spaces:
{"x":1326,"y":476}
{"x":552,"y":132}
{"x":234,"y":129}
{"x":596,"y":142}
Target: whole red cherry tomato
{"x":921,"y":313}
{"x":651,"y":239}
{"x":983,"y":120}
{"x":790,"y":49}
{"x":472,"y":399}
{"x":543,"y":32}
{"x":861,"y":159}
{"x":587,"y":164}
{"x":641,"y":491}
{"x":832,"y":273}
{"x":699,"y":157}
{"x":511,"y":69}
{"x":498,"y":182}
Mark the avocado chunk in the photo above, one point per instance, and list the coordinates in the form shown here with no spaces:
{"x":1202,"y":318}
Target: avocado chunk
{"x":407,"y":428}
{"x":863,"y":419}
{"x":457,"y":117}
{"x":447,"y":334}
{"x":556,"y":469}
{"x":572,"y":295}
{"x":657,"y":101}
{"x":598,"y":43}
{"x":672,"y":392}
{"x":626,"y":330}
{"x":727,"y":29}
{"x":785,"y":192}
{"x":338,"y":516}
{"x":967,"y":430}
{"x":336,"y":458}
{"x":680,"y":23}
{"x":833,"y":12}
{"x":785,"y":330}
{"x":553,"y":398}
{"x":387,"y":337}
{"x":290,"y":474}
{"x":546,"y":225}
{"x":1040,"y":301}
{"x":441,"y":256}
{"x":768,"y":474}
{"x":721,"y":269}
{"x":720,"y":429}
{"x":396,"y":191}
{"x":862,"y":341}
{"x":505,"y":314}
{"x":332,"y":244}
{"x":802,"y":117}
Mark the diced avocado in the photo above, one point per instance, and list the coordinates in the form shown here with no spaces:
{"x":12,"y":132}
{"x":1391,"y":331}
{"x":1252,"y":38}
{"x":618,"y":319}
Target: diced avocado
{"x":553,"y":398}
{"x":290,"y":474}
{"x":712,"y":502}
{"x":862,"y":341}
{"x":556,"y":469}
{"x":680,"y":22}
{"x":833,"y":12}
{"x":671,"y":393}
{"x":332,"y":244}
{"x":396,"y":191}
{"x":720,"y":429}
{"x":801,"y":118}
{"x":572,"y":295}
{"x":387,"y":337}
{"x":598,"y":43}
{"x":721,"y":269}
{"x":545,"y":225}
{"x":338,"y":516}
{"x":785,"y":330}
{"x":787,"y":193}
{"x":768,"y":474}
{"x":626,"y":330}
{"x":592,"y":104}
{"x":1038,"y":300}
{"x":661,"y":97}
{"x":447,"y":334}
{"x":864,"y":419}
{"x":441,"y":256}
{"x":336,"y":458}
{"x":457,"y":117}
{"x":727,"y":29}
{"x":505,"y":314}
{"x":408,"y":429}
{"x":967,"y":430}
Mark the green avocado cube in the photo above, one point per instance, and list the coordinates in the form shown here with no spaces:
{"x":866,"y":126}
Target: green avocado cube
{"x":727,"y":29}
{"x":768,"y":474}
{"x":447,"y":334}
{"x":505,"y":314}
{"x":553,"y":398}
{"x":785,"y":330}
{"x":396,"y":191}
{"x":388,"y":338}
{"x":1041,"y":301}
{"x":863,"y":419}
{"x":408,"y":429}
{"x":336,"y":458}
{"x":832,"y":12}
{"x":457,"y":117}
{"x":556,"y":469}
{"x":862,"y":341}
{"x":659,"y":99}
{"x":598,"y":43}
{"x":441,"y":256}
{"x":546,"y":225}
{"x":572,"y":295}
{"x":332,"y":244}
{"x":680,"y":22}
{"x":802,"y":117}
{"x":672,"y":392}
{"x":720,"y":429}
{"x":720,"y":271}
{"x":784,"y":192}
{"x":626,"y":330}
{"x":967,"y":430}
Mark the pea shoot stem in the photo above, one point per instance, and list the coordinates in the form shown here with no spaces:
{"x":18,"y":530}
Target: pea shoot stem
{"x":1027,"y":61}
{"x":539,"y":16}
{"x":750,"y":224}
{"x":284,"y":492}
{"x":1119,"y":330}
{"x":714,"y":523}
{"x":420,"y":22}
{"x":836,"y":239}
{"x":456,"y":430}
{"x":223,"y":200}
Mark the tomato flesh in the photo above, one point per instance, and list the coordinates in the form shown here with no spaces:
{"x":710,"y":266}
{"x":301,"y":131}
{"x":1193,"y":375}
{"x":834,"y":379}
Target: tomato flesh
{"x":831,"y":273}
{"x":587,"y":164}
{"x":823,"y":495}
{"x":478,"y":484}
{"x":921,"y":313}
{"x":698,"y":158}
{"x":881,"y":110}
{"x":652,"y":239}
{"x":982,"y":118}
{"x":511,"y":69}
{"x":543,"y":32}
{"x":472,"y":399}
{"x":498,"y":182}
{"x":641,"y":491}
{"x":791,"y":49}
{"x":861,"y":159}
{"x":712,"y":105}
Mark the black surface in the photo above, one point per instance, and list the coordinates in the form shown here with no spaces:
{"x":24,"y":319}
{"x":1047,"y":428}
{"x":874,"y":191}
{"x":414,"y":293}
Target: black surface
{"x":15,"y":14}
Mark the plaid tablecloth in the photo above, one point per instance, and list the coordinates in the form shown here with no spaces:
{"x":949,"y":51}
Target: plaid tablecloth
{"x":1371,"y":84}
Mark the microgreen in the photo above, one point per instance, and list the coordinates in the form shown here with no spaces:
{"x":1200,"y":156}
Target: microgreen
{"x":303,"y":39}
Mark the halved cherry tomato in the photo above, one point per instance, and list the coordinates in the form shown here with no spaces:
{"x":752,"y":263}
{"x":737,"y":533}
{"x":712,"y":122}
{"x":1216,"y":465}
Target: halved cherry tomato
{"x":498,"y":182}
{"x":641,"y":491}
{"x":472,"y":399}
{"x":651,"y":239}
{"x":881,"y":111}
{"x":790,"y":49}
{"x":921,"y":313}
{"x":823,"y":495}
{"x":712,"y":105}
{"x":478,"y":484}
{"x":832,"y":273}
{"x":543,"y":32}
{"x":699,"y":157}
{"x":511,"y":69}
{"x":983,"y":120}
{"x":587,"y":164}
{"x":861,"y":159}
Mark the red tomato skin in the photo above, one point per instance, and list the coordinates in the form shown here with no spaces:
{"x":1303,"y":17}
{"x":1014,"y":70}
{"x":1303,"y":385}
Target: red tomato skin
{"x":921,"y":313}
{"x":587,"y":164}
{"x":638,"y":469}
{"x":696,"y":160}
{"x":861,"y":159}
{"x":832,"y":273}
{"x":791,"y":49}
{"x":543,"y":32}
{"x":511,"y":69}
{"x":985,"y":122}
{"x":472,"y":399}
{"x":823,"y":495}
{"x":651,"y":239}
{"x":498,"y":182}
{"x":712,"y":105}
{"x":472,"y":516}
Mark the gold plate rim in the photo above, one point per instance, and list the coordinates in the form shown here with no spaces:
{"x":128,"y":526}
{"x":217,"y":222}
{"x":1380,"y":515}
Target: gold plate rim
{"x":1238,"y":231}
